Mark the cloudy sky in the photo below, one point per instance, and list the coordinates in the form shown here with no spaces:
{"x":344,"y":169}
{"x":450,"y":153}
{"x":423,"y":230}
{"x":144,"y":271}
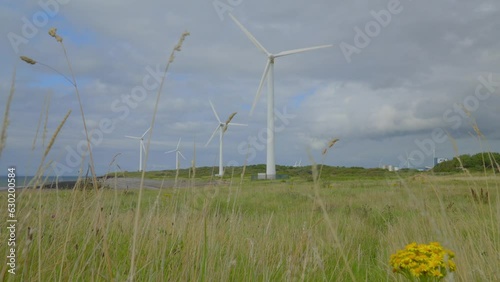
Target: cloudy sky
{"x":394,"y":84}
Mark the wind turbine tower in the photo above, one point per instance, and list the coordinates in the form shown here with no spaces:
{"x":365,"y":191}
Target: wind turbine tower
{"x":269,"y":73}
{"x":141,"y":146}
{"x":222,"y":128}
{"x":177,"y":154}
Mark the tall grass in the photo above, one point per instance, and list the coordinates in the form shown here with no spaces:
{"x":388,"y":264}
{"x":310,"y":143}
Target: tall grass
{"x":5,"y":123}
{"x":177,"y":48}
{"x":239,"y":230}
{"x":263,"y":232}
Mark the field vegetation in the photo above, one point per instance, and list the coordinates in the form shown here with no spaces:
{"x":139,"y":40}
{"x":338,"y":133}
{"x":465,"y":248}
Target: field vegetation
{"x":242,"y":230}
{"x":320,"y":224}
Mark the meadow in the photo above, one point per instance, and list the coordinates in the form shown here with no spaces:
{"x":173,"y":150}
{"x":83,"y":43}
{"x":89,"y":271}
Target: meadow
{"x":242,"y":230}
{"x":323,"y":224}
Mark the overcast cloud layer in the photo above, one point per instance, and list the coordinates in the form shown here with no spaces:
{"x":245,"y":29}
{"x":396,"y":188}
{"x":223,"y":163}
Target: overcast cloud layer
{"x":395,"y":83}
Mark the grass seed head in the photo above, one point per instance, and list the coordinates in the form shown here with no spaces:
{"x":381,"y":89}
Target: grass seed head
{"x":230,"y":118}
{"x":332,"y":142}
{"x":181,"y":40}
{"x":53,"y":33}
{"x":28,"y":60}
{"x":178,"y":46}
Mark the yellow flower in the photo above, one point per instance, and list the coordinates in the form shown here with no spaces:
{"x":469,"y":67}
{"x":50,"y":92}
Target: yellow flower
{"x":452,"y":265}
{"x":423,"y":261}
{"x":436,"y":273}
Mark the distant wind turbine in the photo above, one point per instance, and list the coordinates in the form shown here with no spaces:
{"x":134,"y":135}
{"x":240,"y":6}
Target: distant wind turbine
{"x":408,"y":159}
{"x":141,"y":146}
{"x":177,"y":154}
{"x":269,"y":73}
{"x":222,"y":128}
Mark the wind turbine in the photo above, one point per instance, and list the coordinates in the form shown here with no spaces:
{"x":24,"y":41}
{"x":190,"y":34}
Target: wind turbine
{"x":141,"y":146}
{"x":408,"y":159}
{"x":177,"y":154}
{"x":222,"y":128}
{"x":269,"y":73}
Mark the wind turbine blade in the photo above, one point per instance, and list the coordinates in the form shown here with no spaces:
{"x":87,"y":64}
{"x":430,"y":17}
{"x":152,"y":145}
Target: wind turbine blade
{"x":295,"y":51}
{"x":133,"y":137}
{"x":181,"y":154}
{"x":257,"y":96}
{"x":250,"y":36}
{"x":213,"y":134}
{"x":145,"y":132}
{"x":215,"y":113}
{"x":171,"y":151}
{"x":178,"y":144}
{"x":143,"y":148}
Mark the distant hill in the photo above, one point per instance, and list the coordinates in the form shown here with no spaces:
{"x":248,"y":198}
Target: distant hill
{"x":301,"y":172}
{"x":474,"y":163}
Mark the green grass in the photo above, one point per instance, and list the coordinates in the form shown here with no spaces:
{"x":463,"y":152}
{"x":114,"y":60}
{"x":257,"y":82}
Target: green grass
{"x":256,"y":231}
{"x":342,"y":228}
{"x":295,"y":173}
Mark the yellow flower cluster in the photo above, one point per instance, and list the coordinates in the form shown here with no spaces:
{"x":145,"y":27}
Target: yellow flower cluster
{"x":423,"y":261}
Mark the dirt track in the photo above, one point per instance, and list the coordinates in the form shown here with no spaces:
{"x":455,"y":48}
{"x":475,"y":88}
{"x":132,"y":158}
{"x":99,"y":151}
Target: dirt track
{"x":132,"y":183}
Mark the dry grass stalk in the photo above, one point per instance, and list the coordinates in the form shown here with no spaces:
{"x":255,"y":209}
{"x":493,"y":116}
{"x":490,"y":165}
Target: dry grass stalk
{"x":482,"y":197}
{"x":193,"y":165}
{"x":26,"y":250}
{"x":53,"y":33}
{"x":28,"y":60}
{"x":32,"y":62}
{"x":228,"y":121}
{"x":455,"y":148}
{"x":54,"y":136}
{"x":44,"y":134}
{"x":37,"y":129}
{"x":41,"y":167}
{"x":3,"y":134}
{"x":330,"y":144}
{"x":38,"y":176}
{"x":333,"y":230}
{"x":178,"y":46}
{"x":132,"y":271}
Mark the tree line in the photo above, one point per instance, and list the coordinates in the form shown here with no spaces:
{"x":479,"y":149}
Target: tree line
{"x":477,"y":162}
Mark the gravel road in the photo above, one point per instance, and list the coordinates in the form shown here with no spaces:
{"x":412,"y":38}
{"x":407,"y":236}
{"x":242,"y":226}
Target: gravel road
{"x":133,"y":183}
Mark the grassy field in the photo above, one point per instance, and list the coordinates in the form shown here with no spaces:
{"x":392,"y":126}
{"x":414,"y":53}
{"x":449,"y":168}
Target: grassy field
{"x":294,"y":230}
{"x":342,"y":226}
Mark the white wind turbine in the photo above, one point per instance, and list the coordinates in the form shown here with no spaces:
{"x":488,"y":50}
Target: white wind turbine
{"x":408,"y":160}
{"x":269,"y":73}
{"x":222,"y":128}
{"x":177,"y":154}
{"x":141,"y":146}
